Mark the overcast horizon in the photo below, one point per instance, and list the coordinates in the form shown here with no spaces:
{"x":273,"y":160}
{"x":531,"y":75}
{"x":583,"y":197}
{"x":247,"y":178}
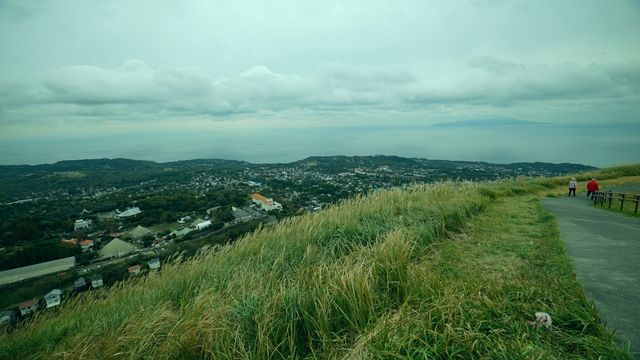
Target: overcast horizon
{"x":161,"y":80}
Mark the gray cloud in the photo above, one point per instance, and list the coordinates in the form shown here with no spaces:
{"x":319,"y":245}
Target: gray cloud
{"x":134,"y":88}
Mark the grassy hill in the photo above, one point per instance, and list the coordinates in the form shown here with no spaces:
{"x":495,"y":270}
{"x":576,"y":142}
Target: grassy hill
{"x":452,"y":270}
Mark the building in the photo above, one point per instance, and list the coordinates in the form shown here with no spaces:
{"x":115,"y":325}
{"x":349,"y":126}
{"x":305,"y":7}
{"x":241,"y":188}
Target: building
{"x":240,"y":215}
{"x":184,"y":219}
{"x":96,"y":281}
{"x":36,"y":270}
{"x":134,"y":270}
{"x":28,"y":307}
{"x":140,"y":232}
{"x":86,"y":245}
{"x":7,"y":317}
{"x":203,"y":225}
{"x":129,"y":212}
{"x":181,"y":232}
{"x":116,"y":248}
{"x":80,"y":284}
{"x":53,"y":298}
{"x":154,"y":264}
{"x":81,"y":224}
{"x":264,"y":203}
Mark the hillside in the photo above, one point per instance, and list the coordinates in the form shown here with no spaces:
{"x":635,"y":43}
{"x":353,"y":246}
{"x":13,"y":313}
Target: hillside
{"x":454,"y":269}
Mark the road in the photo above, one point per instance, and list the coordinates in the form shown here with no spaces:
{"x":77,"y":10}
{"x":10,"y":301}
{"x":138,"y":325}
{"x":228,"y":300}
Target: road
{"x":605,"y":250}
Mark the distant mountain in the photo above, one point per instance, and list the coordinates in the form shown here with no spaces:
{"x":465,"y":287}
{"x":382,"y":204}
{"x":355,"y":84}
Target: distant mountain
{"x":500,"y":121}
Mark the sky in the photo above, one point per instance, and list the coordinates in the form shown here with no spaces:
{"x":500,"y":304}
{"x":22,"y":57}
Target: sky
{"x":88,"y":68}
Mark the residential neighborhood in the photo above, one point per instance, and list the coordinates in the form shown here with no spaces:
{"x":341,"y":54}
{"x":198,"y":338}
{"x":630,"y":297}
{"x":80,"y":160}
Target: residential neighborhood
{"x":66,"y":240}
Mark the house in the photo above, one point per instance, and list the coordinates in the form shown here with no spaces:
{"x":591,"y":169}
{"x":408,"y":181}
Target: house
{"x":134,"y":270}
{"x":184,"y":219}
{"x":107,"y":215}
{"x":80,"y":284}
{"x":240,"y":215}
{"x":86,"y":245}
{"x":81,"y":224}
{"x":181,"y":232}
{"x":129,"y":212}
{"x":116,"y":248}
{"x":28,"y":307}
{"x":7,"y":317}
{"x":203,"y":225}
{"x":53,"y":298}
{"x":154,"y":264}
{"x":96,"y":281}
{"x":140,"y":232}
{"x":264,"y":203}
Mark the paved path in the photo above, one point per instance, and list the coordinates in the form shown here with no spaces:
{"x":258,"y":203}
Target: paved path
{"x":605,"y":250}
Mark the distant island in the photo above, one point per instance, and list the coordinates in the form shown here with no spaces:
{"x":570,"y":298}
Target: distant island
{"x":500,"y":121}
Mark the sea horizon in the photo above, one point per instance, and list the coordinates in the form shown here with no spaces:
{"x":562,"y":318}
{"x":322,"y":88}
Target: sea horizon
{"x":593,"y":144}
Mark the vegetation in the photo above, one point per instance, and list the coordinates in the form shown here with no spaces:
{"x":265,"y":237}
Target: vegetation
{"x":443,"y":271}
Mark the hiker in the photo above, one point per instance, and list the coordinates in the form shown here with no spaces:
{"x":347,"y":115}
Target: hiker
{"x":573,"y":184}
{"x":592,"y":187}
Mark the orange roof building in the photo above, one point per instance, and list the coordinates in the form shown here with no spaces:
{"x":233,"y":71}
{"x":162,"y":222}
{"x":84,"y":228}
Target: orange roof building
{"x":260,"y":198}
{"x":134,"y":270}
{"x":265,"y":204}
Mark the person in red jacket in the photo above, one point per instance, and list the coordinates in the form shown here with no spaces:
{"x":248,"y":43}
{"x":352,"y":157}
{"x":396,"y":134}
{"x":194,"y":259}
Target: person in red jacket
{"x":592,"y":187}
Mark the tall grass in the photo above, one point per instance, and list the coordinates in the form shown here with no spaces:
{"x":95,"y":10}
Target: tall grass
{"x":306,"y":287}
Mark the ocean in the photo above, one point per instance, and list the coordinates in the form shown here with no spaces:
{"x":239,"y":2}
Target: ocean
{"x":593,"y":144}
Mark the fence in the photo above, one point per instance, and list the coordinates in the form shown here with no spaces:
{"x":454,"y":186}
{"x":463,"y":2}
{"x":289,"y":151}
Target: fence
{"x":602,"y":197}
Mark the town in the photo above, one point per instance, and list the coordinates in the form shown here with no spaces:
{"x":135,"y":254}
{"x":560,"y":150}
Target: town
{"x":79,"y":226}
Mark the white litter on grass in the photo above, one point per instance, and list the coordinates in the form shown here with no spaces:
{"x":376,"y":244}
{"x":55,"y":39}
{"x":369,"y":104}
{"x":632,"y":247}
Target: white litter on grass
{"x":542,"y":319}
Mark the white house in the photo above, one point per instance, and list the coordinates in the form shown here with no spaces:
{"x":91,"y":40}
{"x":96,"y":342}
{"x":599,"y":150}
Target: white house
{"x":203,"y":225}
{"x":53,"y":298}
{"x":184,"y":219}
{"x":27,"y":307}
{"x":86,"y":245}
{"x":129,"y":212}
{"x":264,"y":203}
{"x":154,"y":264}
{"x":96,"y":281}
{"x":81,"y":224}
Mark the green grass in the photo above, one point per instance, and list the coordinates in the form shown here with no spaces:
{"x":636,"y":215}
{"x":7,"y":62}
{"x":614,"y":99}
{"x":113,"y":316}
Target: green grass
{"x":451,"y":270}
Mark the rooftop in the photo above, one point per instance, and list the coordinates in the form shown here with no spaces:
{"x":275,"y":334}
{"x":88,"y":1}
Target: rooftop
{"x":35,"y":270}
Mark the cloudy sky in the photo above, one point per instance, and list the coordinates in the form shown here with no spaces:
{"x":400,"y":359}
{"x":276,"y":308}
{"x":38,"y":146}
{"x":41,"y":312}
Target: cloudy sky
{"x":80,"y":67}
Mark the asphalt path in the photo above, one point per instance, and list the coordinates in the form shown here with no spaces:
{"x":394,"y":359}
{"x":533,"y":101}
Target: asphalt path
{"x":605,"y":250}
